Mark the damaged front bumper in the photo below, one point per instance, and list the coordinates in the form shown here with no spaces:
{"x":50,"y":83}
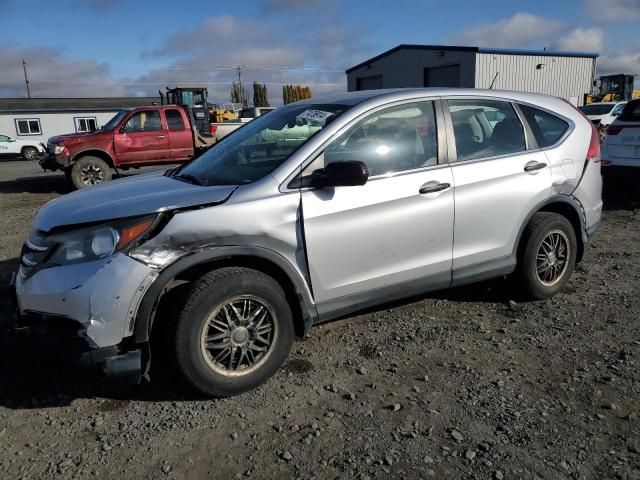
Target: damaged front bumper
{"x":88,"y":309}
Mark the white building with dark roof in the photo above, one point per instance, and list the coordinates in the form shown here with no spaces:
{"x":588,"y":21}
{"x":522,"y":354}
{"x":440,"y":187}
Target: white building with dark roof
{"x":41,"y":118}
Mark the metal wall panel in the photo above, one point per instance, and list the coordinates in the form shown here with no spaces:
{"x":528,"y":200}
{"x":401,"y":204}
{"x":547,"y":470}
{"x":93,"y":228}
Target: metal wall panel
{"x":562,"y":76}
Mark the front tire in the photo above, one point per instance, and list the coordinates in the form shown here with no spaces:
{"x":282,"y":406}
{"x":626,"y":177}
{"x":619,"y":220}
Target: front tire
{"x":548,"y":255}
{"x":89,"y":170}
{"x":29,"y":153}
{"x":234,"y":332}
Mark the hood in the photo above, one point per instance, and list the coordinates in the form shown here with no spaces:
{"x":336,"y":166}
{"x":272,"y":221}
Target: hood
{"x":71,"y":136}
{"x":136,"y":195}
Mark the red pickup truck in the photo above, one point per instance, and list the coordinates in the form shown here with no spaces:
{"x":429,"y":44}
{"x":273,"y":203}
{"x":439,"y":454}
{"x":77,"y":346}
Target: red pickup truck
{"x":133,"y":138}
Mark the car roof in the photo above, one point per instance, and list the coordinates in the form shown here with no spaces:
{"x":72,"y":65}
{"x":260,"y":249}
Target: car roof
{"x":357,"y":97}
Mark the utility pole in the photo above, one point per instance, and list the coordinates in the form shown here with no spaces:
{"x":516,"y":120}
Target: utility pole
{"x":26,"y":78}
{"x":240,"y":83}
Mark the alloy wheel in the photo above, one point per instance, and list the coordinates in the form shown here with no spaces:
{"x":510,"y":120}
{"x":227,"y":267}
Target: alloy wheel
{"x":90,"y":175}
{"x":237,"y":336}
{"x":552,"y":258}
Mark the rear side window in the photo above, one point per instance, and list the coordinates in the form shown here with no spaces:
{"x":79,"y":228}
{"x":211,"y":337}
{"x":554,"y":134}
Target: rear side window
{"x":174,"y":120}
{"x":631,"y":112}
{"x":547,"y":128}
{"x":485,"y":128}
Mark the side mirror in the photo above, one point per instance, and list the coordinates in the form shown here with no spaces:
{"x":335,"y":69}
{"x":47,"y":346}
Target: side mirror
{"x":349,"y":173}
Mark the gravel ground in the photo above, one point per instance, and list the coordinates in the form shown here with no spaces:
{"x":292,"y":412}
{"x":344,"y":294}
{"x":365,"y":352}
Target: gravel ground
{"x":465,"y":383}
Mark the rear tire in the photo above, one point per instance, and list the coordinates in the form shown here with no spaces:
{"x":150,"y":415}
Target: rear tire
{"x":29,"y":153}
{"x":89,"y":170}
{"x":234,"y":332}
{"x":548,"y":255}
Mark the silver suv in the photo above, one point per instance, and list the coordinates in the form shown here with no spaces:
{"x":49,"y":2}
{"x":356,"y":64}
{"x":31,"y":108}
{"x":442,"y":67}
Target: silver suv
{"x":312,"y":212}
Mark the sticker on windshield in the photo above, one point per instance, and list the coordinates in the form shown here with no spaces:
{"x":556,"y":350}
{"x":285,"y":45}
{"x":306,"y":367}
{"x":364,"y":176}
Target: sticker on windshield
{"x":317,"y":116}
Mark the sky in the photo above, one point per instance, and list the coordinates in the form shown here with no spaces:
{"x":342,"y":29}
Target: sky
{"x":83,"y":48}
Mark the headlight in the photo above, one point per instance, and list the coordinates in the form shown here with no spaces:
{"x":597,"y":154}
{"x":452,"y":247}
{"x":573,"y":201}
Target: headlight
{"x":99,"y":241}
{"x":58,"y":149}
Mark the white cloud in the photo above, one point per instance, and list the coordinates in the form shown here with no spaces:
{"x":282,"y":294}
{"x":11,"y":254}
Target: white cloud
{"x":52,"y":75}
{"x":522,"y":29}
{"x":614,"y":10}
{"x":628,"y":62}
{"x":581,"y":40}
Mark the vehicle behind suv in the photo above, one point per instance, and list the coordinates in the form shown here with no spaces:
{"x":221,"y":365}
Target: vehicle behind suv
{"x":317,"y":210}
{"x":133,"y":138}
{"x":602,"y":114}
{"x":621,"y":147}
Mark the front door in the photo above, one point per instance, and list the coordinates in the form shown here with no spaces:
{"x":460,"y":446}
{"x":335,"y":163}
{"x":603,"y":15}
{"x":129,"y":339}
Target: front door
{"x":362,"y":242}
{"x":143,"y":139}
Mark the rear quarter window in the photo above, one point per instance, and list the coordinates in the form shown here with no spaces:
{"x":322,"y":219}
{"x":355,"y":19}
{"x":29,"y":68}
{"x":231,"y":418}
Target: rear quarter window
{"x":546,"y":127}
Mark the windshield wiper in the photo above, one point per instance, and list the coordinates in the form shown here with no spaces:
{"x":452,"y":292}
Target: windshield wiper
{"x":190,"y":178}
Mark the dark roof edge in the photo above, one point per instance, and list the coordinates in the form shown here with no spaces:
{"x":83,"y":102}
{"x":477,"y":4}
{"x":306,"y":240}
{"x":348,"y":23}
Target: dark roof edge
{"x":405,"y":46}
{"x":504,"y":51}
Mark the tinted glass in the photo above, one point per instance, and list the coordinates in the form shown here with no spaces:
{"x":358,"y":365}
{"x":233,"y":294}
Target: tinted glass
{"x":145,"y":121}
{"x":392,"y":140}
{"x":260,"y":146}
{"x":547,"y":128}
{"x":631,"y":112}
{"x":174,"y":120}
{"x":485,"y":128}
{"x":596,"y":109}
{"x":4,"y":138}
{"x":618,"y":109}
{"x":117,"y":118}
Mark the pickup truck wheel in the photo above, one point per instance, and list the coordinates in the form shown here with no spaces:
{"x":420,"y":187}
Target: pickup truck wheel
{"x":234,"y":332}
{"x":29,"y":153}
{"x":548,"y":256}
{"x":89,"y":170}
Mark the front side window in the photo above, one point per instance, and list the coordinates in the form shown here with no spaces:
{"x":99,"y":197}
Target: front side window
{"x":145,"y":121}
{"x":174,"y":120}
{"x":4,"y":139}
{"x":485,"y":128}
{"x":260,"y":146}
{"x":85,"y":124}
{"x":547,"y":128}
{"x":28,"y":126}
{"x":392,"y":140}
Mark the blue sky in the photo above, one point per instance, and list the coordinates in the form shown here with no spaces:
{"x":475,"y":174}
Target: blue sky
{"x":126,"y":47}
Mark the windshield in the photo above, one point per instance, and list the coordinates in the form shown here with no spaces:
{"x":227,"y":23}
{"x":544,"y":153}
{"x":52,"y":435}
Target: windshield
{"x":260,"y":146}
{"x":595,"y":109}
{"x":111,"y":124}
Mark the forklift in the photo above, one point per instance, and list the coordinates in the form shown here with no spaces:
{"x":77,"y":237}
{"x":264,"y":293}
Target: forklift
{"x":194,"y":100}
{"x":614,"y":88}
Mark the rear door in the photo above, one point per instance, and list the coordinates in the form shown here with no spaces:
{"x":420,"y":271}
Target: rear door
{"x":497,"y":181}
{"x":143,"y":139}
{"x":180,"y":135}
{"x":397,"y":228}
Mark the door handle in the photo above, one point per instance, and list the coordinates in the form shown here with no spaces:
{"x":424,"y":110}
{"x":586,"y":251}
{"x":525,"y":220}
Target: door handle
{"x":431,"y":187}
{"x":533,"y":166}
{"x":160,"y":136}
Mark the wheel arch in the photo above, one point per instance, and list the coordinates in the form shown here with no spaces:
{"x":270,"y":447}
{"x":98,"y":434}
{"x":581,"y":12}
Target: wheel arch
{"x":569,"y":208}
{"x":95,"y":153}
{"x":195,"y":265}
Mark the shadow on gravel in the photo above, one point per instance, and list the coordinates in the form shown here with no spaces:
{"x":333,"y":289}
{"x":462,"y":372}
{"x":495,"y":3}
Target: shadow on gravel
{"x":621,"y":192}
{"x":36,"y":184}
